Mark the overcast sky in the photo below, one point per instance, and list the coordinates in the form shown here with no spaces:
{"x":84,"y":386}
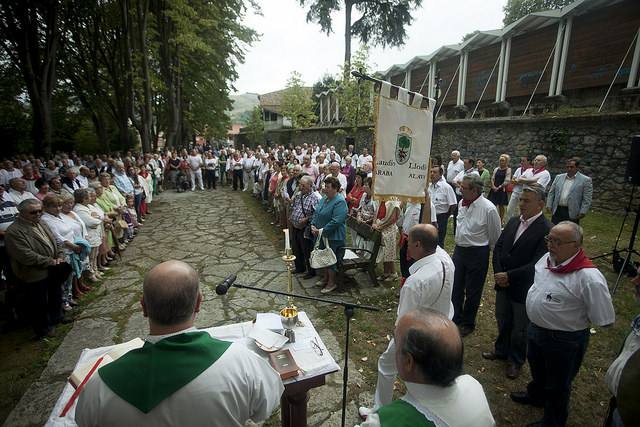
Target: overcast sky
{"x":289,"y":43}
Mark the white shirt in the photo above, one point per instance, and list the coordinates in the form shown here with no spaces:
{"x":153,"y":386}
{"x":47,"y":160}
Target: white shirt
{"x":631,"y":345}
{"x":543,"y":177}
{"x":93,"y":223}
{"x":461,"y":404}
{"x":458,"y":179}
{"x":18,"y":197}
{"x":6,"y":176}
{"x":524,"y":224}
{"x":571,"y":301}
{"x":83,"y":180}
{"x":442,"y":196}
{"x":411,"y":216}
{"x":364,"y":159}
{"x":239,"y":386}
{"x":453,"y":169}
{"x":517,"y":174}
{"x":424,"y":288}
{"x":566,"y":190}
{"x":343,"y":182}
{"x":478,"y":224}
{"x":62,"y":230}
{"x":195,"y":162}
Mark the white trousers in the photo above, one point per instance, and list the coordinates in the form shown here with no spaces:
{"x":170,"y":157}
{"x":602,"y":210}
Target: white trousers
{"x":248,"y":179}
{"x":387,"y":372}
{"x":513,"y":209}
{"x":196,"y":175}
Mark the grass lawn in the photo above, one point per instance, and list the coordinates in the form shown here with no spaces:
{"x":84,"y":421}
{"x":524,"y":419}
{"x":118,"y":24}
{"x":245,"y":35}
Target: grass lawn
{"x":589,"y":399}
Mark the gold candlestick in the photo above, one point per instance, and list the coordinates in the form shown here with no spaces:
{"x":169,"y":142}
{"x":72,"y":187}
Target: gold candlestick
{"x":289,"y":314}
{"x":289,"y":259}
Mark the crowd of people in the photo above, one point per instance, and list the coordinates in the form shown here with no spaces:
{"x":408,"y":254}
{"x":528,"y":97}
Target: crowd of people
{"x":62,"y":221}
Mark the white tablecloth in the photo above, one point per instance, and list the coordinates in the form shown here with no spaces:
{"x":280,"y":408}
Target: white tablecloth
{"x":307,"y":358}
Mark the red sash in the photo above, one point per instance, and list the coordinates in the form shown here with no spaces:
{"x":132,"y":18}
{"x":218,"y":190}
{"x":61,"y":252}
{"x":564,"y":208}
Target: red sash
{"x":579,"y":262}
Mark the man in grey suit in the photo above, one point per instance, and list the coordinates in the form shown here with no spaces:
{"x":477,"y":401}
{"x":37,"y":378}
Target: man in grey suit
{"x":570,"y":194}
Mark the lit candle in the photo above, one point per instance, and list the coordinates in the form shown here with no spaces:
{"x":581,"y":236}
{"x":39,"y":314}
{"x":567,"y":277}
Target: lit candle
{"x":286,"y":239}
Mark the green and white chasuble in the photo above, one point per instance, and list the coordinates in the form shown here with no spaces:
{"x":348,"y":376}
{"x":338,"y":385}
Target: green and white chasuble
{"x":187,"y":378}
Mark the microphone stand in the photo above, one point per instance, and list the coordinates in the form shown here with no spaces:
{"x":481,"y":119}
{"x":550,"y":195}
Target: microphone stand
{"x":349,"y":310}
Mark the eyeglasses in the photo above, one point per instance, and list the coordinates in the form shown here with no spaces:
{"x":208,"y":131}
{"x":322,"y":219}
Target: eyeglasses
{"x":556,"y":242}
{"x":316,"y":346}
{"x":36,"y":212}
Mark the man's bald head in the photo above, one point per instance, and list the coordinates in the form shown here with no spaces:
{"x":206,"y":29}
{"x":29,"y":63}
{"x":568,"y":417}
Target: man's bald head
{"x":423,"y":239}
{"x":433,"y":342}
{"x":170,"y":293}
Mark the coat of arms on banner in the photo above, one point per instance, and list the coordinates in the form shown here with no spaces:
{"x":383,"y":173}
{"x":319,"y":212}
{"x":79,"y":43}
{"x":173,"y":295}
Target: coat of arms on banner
{"x":403,"y":145}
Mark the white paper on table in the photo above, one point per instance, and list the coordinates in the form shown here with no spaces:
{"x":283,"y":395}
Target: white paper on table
{"x":267,"y":338}
{"x":308,"y":360}
{"x":269,"y":321}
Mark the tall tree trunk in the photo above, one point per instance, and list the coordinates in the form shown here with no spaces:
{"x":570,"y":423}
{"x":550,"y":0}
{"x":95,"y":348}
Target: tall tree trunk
{"x":142,"y":9}
{"x":31,"y":37}
{"x":348,"y":5}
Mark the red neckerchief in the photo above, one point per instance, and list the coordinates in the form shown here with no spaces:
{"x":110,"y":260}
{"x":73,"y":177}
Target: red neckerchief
{"x":467,"y":203}
{"x":144,"y":175}
{"x":579,"y":262}
{"x":537,"y":171}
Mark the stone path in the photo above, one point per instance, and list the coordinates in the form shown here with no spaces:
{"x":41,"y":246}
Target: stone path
{"x":217,"y":234}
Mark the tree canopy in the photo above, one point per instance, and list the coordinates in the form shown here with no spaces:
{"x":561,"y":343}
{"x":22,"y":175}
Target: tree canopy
{"x":133,"y":70}
{"x":297,"y":104}
{"x":516,"y":9}
{"x":381,"y":22}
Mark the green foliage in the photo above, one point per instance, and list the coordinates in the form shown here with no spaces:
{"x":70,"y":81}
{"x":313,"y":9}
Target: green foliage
{"x":381,"y":22}
{"x":355,"y":95}
{"x":164,"y":66}
{"x":516,"y":9}
{"x":254,"y":126}
{"x":297,"y":104}
{"x":15,"y":115}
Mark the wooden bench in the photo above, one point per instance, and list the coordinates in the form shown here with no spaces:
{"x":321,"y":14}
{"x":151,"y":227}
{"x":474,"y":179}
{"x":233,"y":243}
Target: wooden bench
{"x":366,"y":258}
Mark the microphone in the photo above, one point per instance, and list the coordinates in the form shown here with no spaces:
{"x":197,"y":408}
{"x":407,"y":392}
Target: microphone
{"x":223,"y":287}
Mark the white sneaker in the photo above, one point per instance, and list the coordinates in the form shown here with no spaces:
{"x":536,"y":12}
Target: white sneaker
{"x":364,"y":412}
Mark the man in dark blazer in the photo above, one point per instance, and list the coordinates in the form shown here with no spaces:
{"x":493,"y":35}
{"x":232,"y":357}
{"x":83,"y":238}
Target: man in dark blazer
{"x":519,"y":247}
{"x":37,"y":263}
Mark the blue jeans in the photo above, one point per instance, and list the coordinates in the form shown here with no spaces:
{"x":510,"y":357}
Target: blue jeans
{"x":555,"y":358}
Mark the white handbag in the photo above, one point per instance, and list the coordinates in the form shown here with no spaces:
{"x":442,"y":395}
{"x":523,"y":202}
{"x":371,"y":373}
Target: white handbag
{"x":322,"y":258}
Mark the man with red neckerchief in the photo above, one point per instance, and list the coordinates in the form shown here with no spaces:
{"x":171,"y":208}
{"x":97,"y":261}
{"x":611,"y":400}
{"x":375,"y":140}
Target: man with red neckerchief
{"x":568,"y":295}
{"x":538,"y":174}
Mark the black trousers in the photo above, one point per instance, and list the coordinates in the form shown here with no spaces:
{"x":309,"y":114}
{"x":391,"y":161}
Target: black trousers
{"x":471,"y":264}
{"x":562,"y":214}
{"x":512,"y":329}
{"x":238,"y":178}
{"x":302,"y":250}
{"x":554,"y":358}
{"x":210,"y":178}
{"x":443,"y":222}
{"x":404,"y":262}
{"x":45,"y":300}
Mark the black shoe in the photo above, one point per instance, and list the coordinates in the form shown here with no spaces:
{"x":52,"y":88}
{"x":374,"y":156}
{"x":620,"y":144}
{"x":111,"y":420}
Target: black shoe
{"x":465,"y":330}
{"x":523,"y":398}
{"x":308,"y":276}
{"x":490,"y":355}
{"x":536,"y":424}
{"x":513,"y":371}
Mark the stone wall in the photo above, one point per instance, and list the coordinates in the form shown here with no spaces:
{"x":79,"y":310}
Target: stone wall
{"x":602,"y":142}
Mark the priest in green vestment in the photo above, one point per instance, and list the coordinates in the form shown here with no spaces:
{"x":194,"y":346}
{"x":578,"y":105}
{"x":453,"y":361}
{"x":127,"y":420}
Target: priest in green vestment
{"x":429,"y":355}
{"x":181,"y":376}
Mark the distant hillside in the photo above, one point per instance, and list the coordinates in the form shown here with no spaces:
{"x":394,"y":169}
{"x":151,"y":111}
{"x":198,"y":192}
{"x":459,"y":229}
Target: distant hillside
{"x":242,"y":106}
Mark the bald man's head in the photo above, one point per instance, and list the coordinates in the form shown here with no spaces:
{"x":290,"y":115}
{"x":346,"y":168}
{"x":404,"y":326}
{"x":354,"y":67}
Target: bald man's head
{"x":433,"y":342}
{"x":170,"y":293}
{"x":423,"y":239}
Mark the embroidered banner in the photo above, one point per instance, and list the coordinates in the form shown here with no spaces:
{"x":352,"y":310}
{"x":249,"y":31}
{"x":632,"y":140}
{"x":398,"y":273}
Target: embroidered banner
{"x":401,"y":147}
